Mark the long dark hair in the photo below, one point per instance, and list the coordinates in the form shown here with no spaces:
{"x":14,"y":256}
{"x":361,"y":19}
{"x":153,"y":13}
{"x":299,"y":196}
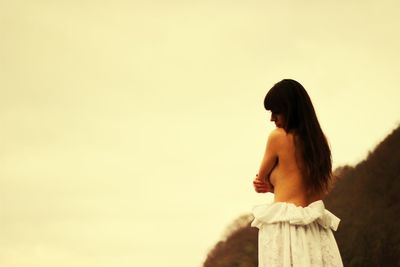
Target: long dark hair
{"x":289,"y":98}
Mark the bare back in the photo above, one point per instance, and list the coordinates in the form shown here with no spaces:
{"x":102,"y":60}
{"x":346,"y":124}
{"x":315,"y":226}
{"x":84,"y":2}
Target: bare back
{"x":286,"y":176}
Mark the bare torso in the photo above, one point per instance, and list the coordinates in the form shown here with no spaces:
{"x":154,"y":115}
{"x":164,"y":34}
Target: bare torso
{"x":286,"y":176}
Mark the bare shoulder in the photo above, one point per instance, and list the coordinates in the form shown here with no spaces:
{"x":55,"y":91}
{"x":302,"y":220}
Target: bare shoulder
{"x":278,"y":135}
{"x":277,"y":138}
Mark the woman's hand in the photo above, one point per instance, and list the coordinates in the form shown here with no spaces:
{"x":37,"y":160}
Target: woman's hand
{"x":261,"y":186}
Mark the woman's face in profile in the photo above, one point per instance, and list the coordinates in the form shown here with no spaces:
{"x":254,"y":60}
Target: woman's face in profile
{"x":278,"y":119}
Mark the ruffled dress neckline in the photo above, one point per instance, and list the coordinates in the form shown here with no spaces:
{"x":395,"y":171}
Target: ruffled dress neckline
{"x":274,"y":212}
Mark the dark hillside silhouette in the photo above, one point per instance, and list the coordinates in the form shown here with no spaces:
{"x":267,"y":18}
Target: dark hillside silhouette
{"x":366,"y":198}
{"x":238,"y":248}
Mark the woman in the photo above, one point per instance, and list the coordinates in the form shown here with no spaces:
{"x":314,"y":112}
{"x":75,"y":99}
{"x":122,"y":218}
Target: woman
{"x":295,"y":229}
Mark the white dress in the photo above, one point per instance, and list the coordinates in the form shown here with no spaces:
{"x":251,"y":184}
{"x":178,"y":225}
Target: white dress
{"x":294,"y":236}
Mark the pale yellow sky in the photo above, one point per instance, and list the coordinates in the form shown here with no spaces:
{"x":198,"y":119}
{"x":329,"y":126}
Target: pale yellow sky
{"x":131,"y":130}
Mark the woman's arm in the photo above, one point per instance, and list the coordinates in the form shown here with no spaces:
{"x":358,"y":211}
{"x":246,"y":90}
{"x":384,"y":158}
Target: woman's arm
{"x":261,"y":182}
{"x":270,"y":155}
{"x":262,"y":187}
